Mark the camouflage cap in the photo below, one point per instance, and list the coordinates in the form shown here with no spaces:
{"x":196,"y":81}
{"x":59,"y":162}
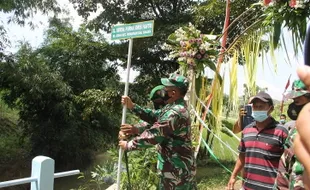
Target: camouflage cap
{"x":153,"y":94}
{"x":298,"y":89}
{"x":298,"y":84}
{"x":176,"y":80}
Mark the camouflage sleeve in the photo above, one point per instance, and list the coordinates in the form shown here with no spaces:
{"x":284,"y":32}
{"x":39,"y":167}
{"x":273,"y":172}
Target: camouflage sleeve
{"x":142,"y":126}
{"x":147,"y":115}
{"x":158,"y":133}
{"x":285,"y":136}
{"x":282,"y":181}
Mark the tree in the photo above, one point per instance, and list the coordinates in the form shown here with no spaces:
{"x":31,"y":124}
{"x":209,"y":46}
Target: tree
{"x":148,"y":56}
{"x":43,"y":99}
{"x":209,"y":16}
{"x":84,"y":59}
{"x":23,"y":9}
{"x":67,"y":100}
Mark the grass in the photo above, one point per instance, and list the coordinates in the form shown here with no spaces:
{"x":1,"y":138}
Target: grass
{"x":210,"y":174}
{"x":8,"y":119}
{"x":222,"y":151}
{"x":13,"y":149}
{"x":213,"y":176}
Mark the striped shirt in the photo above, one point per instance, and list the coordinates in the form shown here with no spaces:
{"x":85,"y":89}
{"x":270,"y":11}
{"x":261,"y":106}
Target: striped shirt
{"x":263,"y":150}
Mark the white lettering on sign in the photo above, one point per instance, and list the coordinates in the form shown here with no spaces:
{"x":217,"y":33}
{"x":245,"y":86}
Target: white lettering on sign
{"x":138,"y":27}
{"x":147,"y":31}
{"x":120,"y":29}
{"x":133,"y":30}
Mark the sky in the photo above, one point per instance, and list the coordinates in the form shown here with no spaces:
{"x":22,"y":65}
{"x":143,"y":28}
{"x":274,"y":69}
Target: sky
{"x":274,"y":79}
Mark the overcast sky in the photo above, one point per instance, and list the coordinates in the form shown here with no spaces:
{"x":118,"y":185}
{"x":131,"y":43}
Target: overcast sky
{"x":266,"y":75}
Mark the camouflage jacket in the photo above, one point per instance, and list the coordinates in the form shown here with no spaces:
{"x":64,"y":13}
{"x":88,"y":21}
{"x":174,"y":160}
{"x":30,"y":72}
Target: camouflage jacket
{"x":290,"y":170}
{"x":142,"y":126}
{"x":171,"y":131}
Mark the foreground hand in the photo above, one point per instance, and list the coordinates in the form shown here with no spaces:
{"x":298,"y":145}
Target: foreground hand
{"x":303,"y":156}
{"x":129,"y":129}
{"x":301,"y":144}
{"x":126,"y":101}
{"x":231,"y":183}
{"x":306,"y":180}
{"x":304,"y":75}
{"x":123,"y":144}
{"x":302,"y":125}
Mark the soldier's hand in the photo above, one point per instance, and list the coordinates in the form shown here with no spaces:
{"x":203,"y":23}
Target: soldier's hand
{"x":122,"y":135}
{"x":129,"y":129}
{"x":127,"y":102}
{"x":122,"y":144}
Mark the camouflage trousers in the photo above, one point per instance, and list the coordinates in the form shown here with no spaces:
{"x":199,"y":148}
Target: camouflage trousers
{"x":173,"y":184}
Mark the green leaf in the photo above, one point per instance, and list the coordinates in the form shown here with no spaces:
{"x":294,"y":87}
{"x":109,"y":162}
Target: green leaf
{"x":276,"y":34}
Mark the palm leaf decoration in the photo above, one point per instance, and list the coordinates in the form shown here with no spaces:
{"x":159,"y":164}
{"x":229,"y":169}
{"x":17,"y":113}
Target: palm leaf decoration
{"x":233,"y":73}
{"x":294,"y":16}
{"x":246,"y":43}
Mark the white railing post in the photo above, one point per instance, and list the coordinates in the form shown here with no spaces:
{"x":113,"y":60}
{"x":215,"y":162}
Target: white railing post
{"x":43,"y":169}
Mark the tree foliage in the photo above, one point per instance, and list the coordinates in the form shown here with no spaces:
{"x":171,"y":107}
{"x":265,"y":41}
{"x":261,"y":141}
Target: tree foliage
{"x":20,"y":11}
{"x":148,"y":58}
{"x":23,"y":9}
{"x":67,"y":93}
{"x":84,"y":59}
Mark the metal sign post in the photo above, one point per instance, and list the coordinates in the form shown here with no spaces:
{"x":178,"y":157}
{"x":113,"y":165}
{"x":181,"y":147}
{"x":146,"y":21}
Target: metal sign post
{"x":129,"y":31}
{"x":120,"y":152}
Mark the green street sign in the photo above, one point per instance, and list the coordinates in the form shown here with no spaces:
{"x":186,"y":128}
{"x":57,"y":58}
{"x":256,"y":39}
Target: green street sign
{"x":133,"y":30}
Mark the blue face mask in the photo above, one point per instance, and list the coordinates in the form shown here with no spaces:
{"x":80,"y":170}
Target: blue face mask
{"x":282,"y":121}
{"x":260,"y":116}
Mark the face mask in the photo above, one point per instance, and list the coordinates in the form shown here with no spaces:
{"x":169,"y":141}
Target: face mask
{"x":282,"y":121}
{"x":293,"y":111}
{"x":165,"y":95}
{"x":260,"y":116}
{"x":159,"y":103}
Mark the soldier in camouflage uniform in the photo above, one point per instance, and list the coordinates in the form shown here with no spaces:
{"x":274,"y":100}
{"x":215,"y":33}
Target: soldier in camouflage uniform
{"x":158,"y":97}
{"x":171,"y":131}
{"x":290,"y":170}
